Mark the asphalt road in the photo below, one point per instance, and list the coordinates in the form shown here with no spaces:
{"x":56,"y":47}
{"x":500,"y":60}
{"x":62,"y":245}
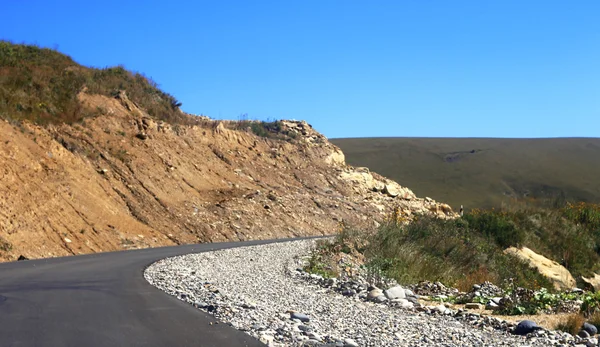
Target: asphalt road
{"x":103,"y":300}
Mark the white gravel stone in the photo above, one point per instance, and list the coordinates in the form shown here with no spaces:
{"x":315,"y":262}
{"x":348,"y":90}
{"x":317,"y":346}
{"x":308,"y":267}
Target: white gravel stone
{"x":255,"y":289}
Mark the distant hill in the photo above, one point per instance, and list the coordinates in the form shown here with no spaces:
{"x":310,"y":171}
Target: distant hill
{"x":483,"y":172}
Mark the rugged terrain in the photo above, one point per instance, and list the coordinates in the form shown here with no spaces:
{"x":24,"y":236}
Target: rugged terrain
{"x":122,"y":179}
{"x":484,"y":172}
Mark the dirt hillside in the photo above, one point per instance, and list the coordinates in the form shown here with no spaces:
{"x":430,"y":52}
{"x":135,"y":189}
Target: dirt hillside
{"x":122,"y":180}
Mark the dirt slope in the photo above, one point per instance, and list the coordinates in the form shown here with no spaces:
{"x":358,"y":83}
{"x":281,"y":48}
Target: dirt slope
{"x":122,"y":180}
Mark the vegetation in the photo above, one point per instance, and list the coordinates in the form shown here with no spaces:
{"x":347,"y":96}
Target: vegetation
{"x":485,"y":173}
{"x":572,"y":324}
{"x":269,"y":129}
{"x":41,"y":85}
{"x":469,"y":250}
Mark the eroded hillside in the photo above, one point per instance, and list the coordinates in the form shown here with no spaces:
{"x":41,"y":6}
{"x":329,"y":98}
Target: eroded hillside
{"x":122,"y":179}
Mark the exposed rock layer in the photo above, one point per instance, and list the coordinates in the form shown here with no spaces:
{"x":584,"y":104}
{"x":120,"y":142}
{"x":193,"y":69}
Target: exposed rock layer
{"x":123,"y":180}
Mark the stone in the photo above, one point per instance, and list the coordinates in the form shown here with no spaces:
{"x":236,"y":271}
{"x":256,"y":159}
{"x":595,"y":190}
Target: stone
{"x":267,"y":339}
{"x":396,"y":292}
{"x":492,"y":306}
{"x":525,"y":327}
{"x":350,"y":343}
{"x":559,"y":275}
{"x":299,"y":316}
{"x":314,"y":336}
{"x":392,"y":190}
{"x":590,"y":328}
{"x":374,"y":293}
{"x":404,"y":303}
{"x":583,"y":334}
{"x":593,"y":281}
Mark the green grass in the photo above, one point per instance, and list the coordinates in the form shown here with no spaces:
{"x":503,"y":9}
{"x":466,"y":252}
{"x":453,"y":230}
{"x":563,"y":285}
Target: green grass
{"x":480,"y":172}
{"x":469,"y":250}
{"x":41,"y":85}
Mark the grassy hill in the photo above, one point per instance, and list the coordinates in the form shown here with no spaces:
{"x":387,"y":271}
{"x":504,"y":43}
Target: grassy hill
{"x":41,"y":85}
{"x":483,"y":172}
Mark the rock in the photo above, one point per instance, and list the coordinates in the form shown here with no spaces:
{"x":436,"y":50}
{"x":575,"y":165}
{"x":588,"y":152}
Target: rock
{"x":350,"y":343}
{"x":404,"y":303}
{"x":594,"y":281}
{"x":558,"y":274}
{"x":267,"y":339}
{"x":396,"y":292}
{"x":314,"y":336}
{"x":525,"y":327}
{"x":304,"y":328}
{"x":440,"y":308}
{"x":590,"y":328}
{"x":374,"y":293}
{"x":141,"y":136}
{"x":492,"y":306}
{"x":392,"y":190}
{"x":583,"y":334}
{"x":299,"y":316}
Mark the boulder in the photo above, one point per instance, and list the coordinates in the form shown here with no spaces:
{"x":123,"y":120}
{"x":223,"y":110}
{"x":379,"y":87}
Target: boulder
{"x":594,"y":282}
{"x":396,"y":292}
{"x":525,"y":327}
{"x":590,"y":328}
{"x":558,"y":274}
{"x":392,"y":190}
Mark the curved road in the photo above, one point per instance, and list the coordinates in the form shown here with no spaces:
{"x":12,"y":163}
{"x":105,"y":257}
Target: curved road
{"x":103,"y":300}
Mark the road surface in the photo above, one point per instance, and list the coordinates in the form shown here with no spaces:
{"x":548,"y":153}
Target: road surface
{"x":103,"y":300}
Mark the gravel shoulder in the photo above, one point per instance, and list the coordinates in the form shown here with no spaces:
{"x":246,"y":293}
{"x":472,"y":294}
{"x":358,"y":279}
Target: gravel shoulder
{"x":258,"y":289}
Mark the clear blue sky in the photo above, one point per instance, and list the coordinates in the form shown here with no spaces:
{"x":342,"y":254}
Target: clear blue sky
{"x":350,"y":68}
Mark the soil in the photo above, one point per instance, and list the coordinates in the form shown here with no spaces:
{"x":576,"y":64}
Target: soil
{"x":122,"y":180}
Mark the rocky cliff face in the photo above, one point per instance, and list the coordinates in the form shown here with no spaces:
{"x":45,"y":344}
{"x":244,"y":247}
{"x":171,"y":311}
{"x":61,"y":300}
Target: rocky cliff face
{"x":122,"y":180}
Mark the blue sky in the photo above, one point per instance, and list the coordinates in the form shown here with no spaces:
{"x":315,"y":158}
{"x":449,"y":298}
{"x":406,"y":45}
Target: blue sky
{"x":350,"y":68}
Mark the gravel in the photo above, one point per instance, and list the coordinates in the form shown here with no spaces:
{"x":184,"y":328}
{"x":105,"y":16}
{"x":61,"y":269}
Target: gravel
{"x":259,"y":290}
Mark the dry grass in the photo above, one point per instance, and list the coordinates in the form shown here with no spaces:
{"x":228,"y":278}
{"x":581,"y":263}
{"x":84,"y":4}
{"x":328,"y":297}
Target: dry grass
{"x":571,"y":324}
{"x":594,"y":319}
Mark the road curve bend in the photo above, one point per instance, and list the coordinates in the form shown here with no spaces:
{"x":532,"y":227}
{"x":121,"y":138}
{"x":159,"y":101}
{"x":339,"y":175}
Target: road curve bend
{"x":103,"y":300}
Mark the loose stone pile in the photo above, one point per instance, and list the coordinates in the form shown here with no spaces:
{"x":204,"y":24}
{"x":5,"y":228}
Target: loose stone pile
{"x":263,"y":291}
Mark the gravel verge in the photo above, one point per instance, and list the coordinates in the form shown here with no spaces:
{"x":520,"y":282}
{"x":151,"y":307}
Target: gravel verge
{"x":258,"y":289}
